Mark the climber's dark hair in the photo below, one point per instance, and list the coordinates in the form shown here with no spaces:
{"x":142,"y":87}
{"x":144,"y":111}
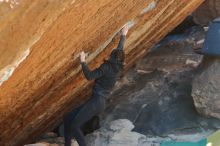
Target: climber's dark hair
{"x":117,"y":58}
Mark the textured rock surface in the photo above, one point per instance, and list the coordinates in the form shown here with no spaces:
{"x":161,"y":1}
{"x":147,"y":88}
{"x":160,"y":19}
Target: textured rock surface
{"x":206,"y":88}
{"x":40,"y":86}
{"x":208,"y":11}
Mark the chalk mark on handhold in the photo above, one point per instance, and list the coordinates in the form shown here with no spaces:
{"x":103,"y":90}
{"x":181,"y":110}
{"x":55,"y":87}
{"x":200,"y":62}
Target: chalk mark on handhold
{"x":150,"y":7}
{"x":11,"y":3}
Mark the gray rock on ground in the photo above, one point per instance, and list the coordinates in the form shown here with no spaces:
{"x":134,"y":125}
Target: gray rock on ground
{"x":119,"y":133}
{"x":206,"y":88}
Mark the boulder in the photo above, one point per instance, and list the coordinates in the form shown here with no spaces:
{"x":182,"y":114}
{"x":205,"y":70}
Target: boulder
{"x":206,"y":88}
{"x":40,"y":41}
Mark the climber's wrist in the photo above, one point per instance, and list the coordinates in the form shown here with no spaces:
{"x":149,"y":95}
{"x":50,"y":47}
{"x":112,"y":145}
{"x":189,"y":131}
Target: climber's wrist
{"x":82,"y":61}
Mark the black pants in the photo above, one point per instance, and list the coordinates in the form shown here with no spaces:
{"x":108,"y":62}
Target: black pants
{"x":77,"y":117}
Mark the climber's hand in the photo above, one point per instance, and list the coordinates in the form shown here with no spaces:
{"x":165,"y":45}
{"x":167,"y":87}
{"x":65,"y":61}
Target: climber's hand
{"x":124,"y":30}
{"x":82,"y":56}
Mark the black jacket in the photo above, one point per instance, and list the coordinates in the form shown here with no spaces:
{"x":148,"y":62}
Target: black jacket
{"x":105,"y":76}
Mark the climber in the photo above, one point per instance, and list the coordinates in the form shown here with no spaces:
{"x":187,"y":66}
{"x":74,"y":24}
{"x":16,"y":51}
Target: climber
{"x":105,"y":78}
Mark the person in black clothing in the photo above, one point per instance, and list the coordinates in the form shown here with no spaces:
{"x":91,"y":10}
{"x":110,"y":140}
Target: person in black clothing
{"x":105,"y":78}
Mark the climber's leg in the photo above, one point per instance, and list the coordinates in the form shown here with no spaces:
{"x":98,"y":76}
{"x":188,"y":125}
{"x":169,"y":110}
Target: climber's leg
{"x":67,"y":125}
{"x":67,"y":131}
{"x":91,"y":108}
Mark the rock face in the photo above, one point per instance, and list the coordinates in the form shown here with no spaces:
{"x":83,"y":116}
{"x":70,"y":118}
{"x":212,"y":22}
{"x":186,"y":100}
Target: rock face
{"x":206,"y":88}
{"x":39,"y":46}
{"x":208,"y":11}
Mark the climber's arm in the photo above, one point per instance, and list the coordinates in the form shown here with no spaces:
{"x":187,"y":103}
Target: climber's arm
{"x":90,"y":75}
{"x":124,"y":32}
{"x":121,"y":42}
